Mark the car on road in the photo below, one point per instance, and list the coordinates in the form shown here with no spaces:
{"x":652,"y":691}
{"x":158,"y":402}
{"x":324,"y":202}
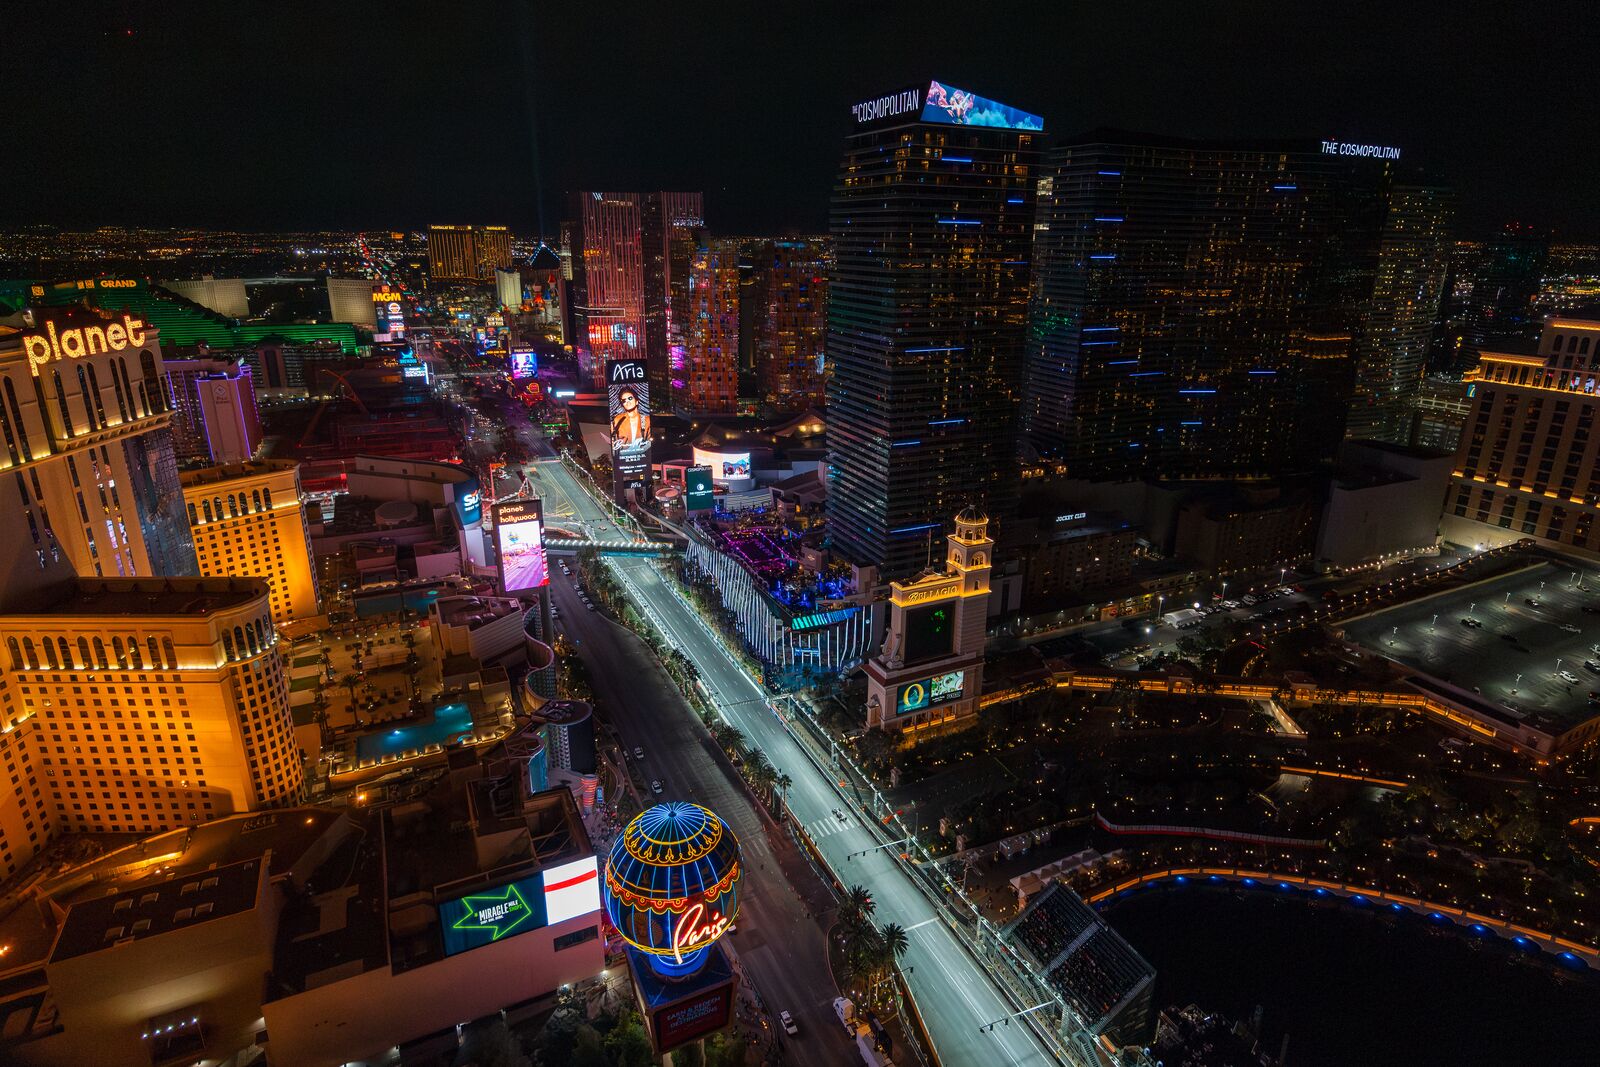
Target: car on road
{"x":788,"y":1024}
{"x":655,"y":786}
{"x":638,"y":753}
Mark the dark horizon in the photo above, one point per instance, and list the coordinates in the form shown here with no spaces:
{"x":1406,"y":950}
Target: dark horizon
{"x":294,"y":117}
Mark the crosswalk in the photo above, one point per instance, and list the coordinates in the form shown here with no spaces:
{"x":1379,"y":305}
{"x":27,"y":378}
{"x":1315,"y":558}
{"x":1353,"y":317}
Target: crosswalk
{"x":829,"y":826}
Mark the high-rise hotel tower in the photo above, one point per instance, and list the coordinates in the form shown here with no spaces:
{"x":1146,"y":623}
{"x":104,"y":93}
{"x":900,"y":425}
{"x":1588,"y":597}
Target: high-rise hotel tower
{"x":931,"y":220}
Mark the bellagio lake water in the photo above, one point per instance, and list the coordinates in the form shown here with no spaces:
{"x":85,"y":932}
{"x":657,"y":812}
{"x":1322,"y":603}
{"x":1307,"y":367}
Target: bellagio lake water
{"x":1360,"y":987}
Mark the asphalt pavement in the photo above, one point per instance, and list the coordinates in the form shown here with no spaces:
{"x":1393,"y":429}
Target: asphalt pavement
{"x":954,"y":994}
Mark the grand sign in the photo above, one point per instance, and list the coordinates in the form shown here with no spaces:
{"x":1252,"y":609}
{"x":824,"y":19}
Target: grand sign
{"x":48,"y":344}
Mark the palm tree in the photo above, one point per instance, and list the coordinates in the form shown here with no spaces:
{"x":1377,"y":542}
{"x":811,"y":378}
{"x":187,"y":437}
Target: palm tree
{"x":782,"y":783}
{"x":856,"y":909}
{"x":760,"y":771}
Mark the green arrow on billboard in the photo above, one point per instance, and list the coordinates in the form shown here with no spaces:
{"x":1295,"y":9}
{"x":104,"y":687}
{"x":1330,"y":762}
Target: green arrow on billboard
{"x":500,"y":913}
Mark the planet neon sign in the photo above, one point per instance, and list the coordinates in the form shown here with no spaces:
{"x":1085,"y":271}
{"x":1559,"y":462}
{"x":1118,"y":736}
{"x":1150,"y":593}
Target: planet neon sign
{"x":43,"y":346}
{"x":672,"y":885}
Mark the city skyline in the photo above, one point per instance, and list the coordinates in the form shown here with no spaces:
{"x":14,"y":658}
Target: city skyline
{"x":264,"y":140}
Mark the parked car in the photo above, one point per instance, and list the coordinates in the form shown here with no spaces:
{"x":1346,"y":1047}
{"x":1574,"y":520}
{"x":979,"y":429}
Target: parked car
{"x":1568,"y":677}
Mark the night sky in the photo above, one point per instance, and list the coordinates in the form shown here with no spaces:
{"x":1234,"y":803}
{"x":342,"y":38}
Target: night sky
{"x":385,"y":115}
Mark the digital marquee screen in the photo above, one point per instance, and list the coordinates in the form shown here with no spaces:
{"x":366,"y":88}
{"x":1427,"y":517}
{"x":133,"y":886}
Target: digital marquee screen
{"x":492,"y":915}
{"x":688,"y":1020}
{"x":928,"y":692}
{"x":519,"y":534}
{"x":524,"y":363}
{"x":930,"y":632}
{"x":698,"y":492}
{"x":958,"y":107}
{"x":724,"y":466}
{"x":539,"y":900}
{"x":628,"y":404}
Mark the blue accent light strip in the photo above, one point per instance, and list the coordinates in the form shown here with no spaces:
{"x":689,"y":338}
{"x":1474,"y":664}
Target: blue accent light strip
{"x":1147,"y":374}
{"x":960,"y":222}
{"x":1111,"y":173}
{"x":947,"y":422}
{"x":1100,"y":329}
{"x":1286,"y":187}
{"x":956,"y":159}
{"x":951,"y":348}
{"x":1191,"y":424}
{"x":1263,"y":372}
{"x":1195,"y":392}
{"x":905,"y":444}
{"x":1120,"y":362}
{"x":1104,"y":255}
{"x":1013,"y":199}
{"x":916,"y":529}
{"x":1108,"y":218}
{"x":1091,"y":344}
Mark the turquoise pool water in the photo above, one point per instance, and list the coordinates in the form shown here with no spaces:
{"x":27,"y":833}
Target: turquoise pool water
{"x":448,"y":723}
{"x":380,"y":603}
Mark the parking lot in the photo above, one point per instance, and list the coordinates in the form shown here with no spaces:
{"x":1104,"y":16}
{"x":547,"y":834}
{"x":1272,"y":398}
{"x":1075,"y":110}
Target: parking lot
{"x":1524,"y":650}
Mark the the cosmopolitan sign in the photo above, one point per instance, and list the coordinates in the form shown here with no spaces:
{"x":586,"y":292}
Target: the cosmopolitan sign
{"x":45,"y":345}
{"x":884,"y":107}
{"x":1366,"y":151}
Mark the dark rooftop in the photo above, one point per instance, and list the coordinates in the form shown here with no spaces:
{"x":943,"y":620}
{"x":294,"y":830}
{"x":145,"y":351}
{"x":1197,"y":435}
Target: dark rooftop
{"x":144,"y":596}
{"x":146,"y":911}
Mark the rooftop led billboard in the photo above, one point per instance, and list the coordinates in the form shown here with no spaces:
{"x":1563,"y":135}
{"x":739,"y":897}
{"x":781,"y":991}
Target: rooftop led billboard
{"x":958,"y":107}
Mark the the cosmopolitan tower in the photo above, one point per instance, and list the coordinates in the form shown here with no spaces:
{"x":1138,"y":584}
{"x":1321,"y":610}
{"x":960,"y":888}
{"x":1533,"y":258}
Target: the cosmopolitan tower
{"x":931,"y":222}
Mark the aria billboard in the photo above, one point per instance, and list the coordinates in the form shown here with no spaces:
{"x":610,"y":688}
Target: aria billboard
{"x":628,"y":404}
{"x":519,"y":535}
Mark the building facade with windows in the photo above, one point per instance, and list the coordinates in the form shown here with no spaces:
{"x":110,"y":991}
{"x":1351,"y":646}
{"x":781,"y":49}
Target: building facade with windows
{"x":142,"y":705}
{"x":672,"y":230}
{"x":1529,"y":460}
{"x":87,"y":451}
{"x":214,"y":414}
{"x":791,"y":323}
{"x":1219,"y":309}
{"x":931,"y":220}
{"x":608,"y":301}
{"x":249,"y":521}
{"x":706,"y":382}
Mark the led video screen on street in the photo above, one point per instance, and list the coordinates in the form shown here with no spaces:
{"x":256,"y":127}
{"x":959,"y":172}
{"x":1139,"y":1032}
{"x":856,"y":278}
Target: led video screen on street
{"x":946,"y":686}
{"x":519,"y":535}
{"x":628,"y":404}
{"x":930,"y":632}
{"x":698,"y":492}
{"x":524,"y":363}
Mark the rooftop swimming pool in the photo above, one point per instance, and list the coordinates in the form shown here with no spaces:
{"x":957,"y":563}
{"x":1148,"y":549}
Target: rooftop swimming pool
{"x":448,"y":723}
